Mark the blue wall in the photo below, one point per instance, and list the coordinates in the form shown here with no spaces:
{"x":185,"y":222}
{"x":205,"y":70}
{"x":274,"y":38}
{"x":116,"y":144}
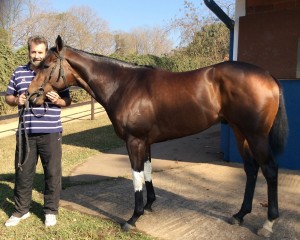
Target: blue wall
{"x":290,"y":159}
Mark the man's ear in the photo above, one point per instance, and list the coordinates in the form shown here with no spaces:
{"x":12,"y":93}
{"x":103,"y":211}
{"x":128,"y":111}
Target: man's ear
{"x":59,"y":43}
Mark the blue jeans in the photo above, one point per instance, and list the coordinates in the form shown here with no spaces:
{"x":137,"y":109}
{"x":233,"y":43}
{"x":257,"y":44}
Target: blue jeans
{"x":48,"y":148}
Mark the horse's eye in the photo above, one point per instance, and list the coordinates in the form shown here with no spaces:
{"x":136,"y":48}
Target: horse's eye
{"x":45,"y":65}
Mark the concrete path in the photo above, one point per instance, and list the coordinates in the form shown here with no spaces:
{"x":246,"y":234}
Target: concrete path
{"x":196,"y":192}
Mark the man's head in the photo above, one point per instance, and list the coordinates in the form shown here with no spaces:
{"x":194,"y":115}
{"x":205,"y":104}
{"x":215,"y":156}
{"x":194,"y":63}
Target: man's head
{"x":37,"y":49}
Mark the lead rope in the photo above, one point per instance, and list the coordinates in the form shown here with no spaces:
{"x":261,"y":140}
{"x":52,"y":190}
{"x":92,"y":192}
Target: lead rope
{"x":20,"y":140}
{"x":24,"y":109}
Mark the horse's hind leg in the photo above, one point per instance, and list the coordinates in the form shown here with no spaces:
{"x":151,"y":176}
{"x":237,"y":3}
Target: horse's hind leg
{"x":270,"y":172}
{"x":251,"y":169}
{"x":148,"y":182}
{"x":263,"y":154}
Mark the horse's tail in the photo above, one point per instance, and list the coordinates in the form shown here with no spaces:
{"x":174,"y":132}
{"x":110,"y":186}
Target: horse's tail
{"x":280,"y":129}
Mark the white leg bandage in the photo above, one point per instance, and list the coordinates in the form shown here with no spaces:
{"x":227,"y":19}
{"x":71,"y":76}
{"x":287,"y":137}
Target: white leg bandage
{"x":138,"y":180}
{"x":147,"y":171}
{"x":268,"y":225}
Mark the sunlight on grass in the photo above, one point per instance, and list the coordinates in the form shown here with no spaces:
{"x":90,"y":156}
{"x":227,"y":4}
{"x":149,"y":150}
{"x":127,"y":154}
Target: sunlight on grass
{"x":81,"y":139}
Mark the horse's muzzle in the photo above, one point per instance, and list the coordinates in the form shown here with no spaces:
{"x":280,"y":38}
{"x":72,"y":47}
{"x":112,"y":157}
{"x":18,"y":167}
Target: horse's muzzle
{"x":34,"y":97}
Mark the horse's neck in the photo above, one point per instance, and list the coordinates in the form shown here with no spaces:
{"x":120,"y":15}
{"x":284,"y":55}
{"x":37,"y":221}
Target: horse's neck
{"x":100,"y":87}
{"x":83,"y":84}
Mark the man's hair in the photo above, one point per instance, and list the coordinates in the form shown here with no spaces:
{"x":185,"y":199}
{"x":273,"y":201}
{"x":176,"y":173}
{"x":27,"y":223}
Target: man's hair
{"x":37,"y":40}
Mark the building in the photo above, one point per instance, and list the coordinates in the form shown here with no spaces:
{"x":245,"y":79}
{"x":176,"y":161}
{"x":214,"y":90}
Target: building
{"x":267,"y":34}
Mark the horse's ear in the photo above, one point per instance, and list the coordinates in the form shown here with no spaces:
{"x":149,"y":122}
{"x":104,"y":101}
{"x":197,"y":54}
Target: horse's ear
{"x":59,"y":43}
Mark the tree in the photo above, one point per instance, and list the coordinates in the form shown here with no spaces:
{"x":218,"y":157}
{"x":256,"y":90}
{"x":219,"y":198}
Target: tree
{"x":79,"y":27}
{"x":209,"y":46}
{"x":192,"y":19}
{"x":212,"y":43}
{"x":15,"y":19}
{"x":4,"y":37}
{"x":187,"y":23}
{"x":153,"y":41}
{"x":204,"y":38}
{"x":10,"y":13}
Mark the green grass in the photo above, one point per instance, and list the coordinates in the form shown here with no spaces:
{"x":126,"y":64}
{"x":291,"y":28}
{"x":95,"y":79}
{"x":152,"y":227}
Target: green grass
{"x":81,"y":139}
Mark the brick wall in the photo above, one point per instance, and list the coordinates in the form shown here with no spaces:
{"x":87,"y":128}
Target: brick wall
{"x":270,"y":40}
{"x":265,"y":6}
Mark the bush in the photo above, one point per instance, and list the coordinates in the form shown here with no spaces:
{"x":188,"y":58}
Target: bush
{"x":147,"y":60}
{"x":79,"y":95}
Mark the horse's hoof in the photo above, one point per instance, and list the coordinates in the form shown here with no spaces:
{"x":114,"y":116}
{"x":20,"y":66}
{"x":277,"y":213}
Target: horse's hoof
{"x":235,"y":221}
{"x":127,"y":227}
{"x":264,"y":233}
{"x":148,"y":211}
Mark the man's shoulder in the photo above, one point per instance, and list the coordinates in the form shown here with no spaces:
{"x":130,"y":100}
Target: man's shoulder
{"x":22,"y":68}
{"x":23,"y":72}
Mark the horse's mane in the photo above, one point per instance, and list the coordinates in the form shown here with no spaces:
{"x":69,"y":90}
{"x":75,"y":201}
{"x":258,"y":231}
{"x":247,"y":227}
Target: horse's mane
{"x":99,"y":57}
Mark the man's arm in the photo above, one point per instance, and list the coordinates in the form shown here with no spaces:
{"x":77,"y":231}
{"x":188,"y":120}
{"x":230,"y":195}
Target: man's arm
{"x":13,"y":101}
{"x":65,"y":102}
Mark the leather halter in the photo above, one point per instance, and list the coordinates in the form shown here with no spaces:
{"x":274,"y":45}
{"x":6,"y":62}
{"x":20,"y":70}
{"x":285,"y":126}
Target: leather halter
{"x":40,"y":91}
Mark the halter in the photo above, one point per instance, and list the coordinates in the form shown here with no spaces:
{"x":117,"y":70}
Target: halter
{"x":40,"y":91}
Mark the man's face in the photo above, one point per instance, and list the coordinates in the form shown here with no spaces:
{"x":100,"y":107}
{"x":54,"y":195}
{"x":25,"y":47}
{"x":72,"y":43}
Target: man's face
{"x":37,"y":53}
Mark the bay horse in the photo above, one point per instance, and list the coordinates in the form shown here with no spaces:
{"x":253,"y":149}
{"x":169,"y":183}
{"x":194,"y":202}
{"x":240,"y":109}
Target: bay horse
{"x":147,"y":105}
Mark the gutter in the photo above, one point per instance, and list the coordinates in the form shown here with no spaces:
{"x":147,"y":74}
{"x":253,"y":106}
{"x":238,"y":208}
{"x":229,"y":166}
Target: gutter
{"x":225,"y":19}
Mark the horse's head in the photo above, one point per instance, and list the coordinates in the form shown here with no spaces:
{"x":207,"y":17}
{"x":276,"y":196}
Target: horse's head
{"x":53,"y":74}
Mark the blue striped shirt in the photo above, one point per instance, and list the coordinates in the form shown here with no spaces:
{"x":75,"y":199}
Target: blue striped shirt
{"x":38,"y":119}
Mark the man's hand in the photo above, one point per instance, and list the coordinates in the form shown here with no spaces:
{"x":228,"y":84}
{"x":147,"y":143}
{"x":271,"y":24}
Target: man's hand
{"x":20,"y":100}
{"x":12,"y":100}
{"x":53,"y":97}
{"x":57,"y":100}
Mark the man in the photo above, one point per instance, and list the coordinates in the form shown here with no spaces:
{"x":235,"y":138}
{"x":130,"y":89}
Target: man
{"x":43,"y":128}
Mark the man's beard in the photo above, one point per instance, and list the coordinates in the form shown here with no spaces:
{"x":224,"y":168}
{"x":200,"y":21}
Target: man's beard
{"x":35,"y":62}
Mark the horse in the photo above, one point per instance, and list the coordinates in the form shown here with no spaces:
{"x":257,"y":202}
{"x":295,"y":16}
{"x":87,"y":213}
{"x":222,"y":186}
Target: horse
{"x":147,"y":105}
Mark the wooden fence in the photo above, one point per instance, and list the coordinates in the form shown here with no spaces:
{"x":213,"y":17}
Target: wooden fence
{"x":92,"y":102}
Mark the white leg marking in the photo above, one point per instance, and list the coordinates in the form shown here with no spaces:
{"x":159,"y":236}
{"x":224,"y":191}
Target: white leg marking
{"x":147,"y":171}
{"x":138,"y":180}
{"x":268,"y":225}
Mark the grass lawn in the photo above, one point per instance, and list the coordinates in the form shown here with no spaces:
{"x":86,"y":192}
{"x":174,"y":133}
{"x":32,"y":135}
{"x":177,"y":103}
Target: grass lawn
{"x":81,"y":139}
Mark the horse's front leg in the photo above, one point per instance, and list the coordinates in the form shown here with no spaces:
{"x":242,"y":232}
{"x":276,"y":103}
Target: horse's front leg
{"x":137,"y":152}
{"x":148,"y":181}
